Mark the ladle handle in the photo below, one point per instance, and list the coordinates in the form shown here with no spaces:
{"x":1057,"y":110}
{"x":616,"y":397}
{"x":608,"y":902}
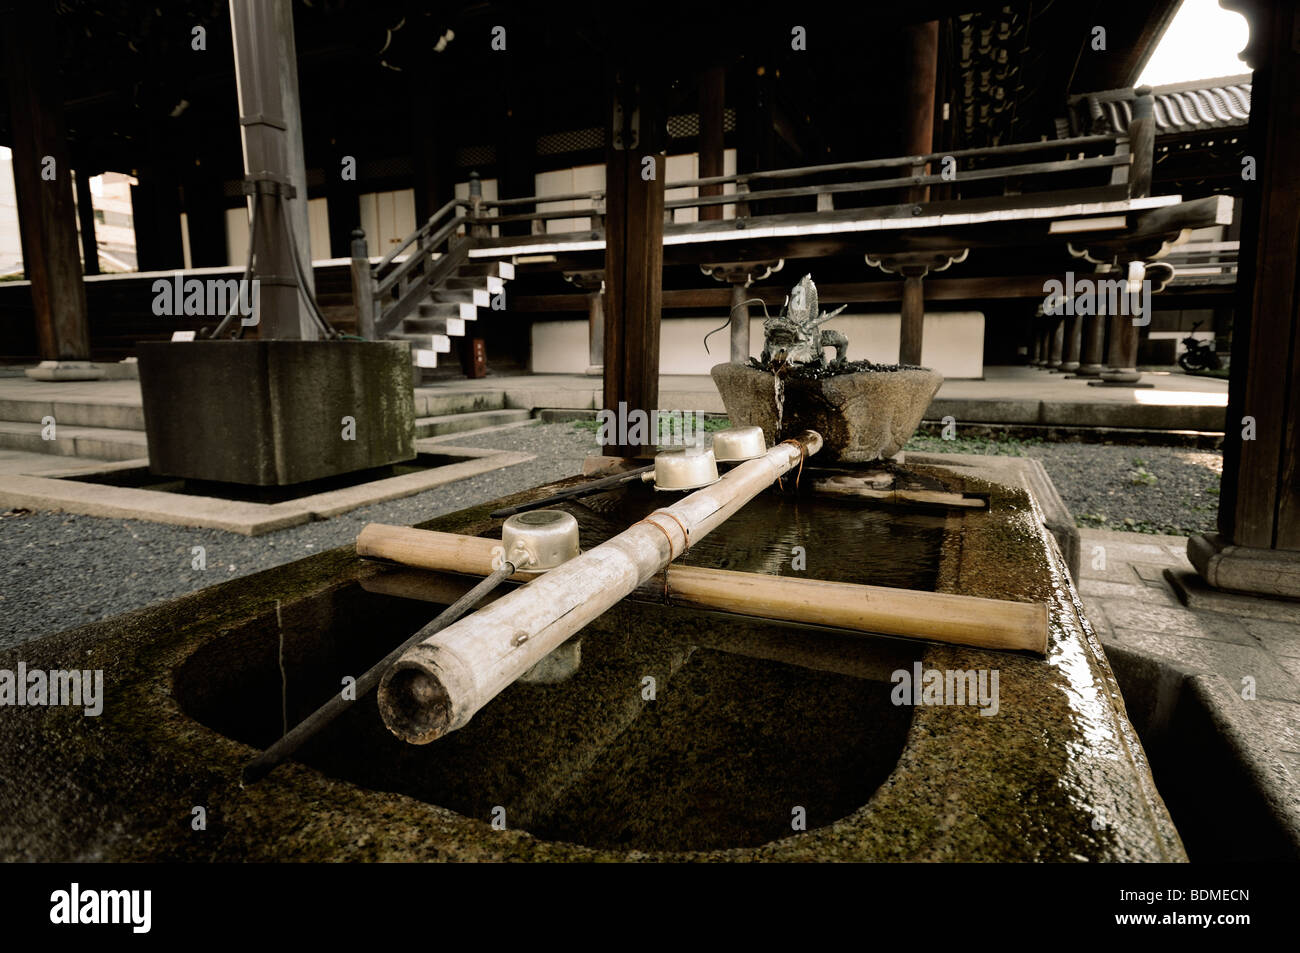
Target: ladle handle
{"x":310,"y":726}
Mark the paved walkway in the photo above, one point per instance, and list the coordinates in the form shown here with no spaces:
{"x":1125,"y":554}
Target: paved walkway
{"x":1007,"y":395}
{"x":1123,"y":585}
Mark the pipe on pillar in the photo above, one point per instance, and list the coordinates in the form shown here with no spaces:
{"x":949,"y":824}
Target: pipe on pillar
{"x":266,"y":77}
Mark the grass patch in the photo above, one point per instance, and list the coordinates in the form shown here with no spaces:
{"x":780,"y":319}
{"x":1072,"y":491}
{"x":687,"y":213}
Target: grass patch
{"x":991,"y":444}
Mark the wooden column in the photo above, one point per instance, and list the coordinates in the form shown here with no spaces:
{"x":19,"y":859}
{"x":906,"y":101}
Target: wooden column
{"x":1122,"y":362}
{"x":1094,"y":340}
{"x":1257,"y":548}
{"x":86,"y":219}
{"x":205,"y":210}
{"x":592,"y":282}
{"x":921,"y":42}
{"x":634,"y":222}
{"x":46,"y":217}
{"x":913,"y":318}
{"x":712,"y":100}
{"x":1073,"y":344}
{"x":739,"y":324}
{"x":1056,"y":340}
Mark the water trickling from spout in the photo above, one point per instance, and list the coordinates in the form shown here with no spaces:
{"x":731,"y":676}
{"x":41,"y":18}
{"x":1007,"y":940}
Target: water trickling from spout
{"x":779,"y":393}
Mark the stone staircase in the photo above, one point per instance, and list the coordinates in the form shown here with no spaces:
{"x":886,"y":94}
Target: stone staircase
{"x":449,"y":306}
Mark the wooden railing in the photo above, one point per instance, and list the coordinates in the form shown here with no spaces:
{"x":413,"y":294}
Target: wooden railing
{"x":951,"y":175}
{"x":389,"y":290}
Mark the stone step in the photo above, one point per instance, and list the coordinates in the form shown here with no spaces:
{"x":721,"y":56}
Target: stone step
{"x":113,"y":415}
{"x":462,"y":435}
{"x":436,"y":402}
{"x":494,"y":284}
{"x":496,"y":269}
{"x":476,"y":420}
{"x":463,"y":310}
{"x":455,"y":327}
{"x":478,"y":297}
{"x":440,"y":343}
{"x":100,"y":443}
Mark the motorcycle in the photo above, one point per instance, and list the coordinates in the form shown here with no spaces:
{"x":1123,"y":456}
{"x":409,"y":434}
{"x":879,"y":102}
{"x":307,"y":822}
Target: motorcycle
{"x":1199,"y":355}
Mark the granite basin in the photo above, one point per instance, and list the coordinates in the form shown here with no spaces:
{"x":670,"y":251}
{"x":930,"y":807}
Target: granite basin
{"x":863,"y":416}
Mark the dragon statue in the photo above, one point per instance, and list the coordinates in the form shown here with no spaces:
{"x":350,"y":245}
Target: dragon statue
{"x":795,"y":336}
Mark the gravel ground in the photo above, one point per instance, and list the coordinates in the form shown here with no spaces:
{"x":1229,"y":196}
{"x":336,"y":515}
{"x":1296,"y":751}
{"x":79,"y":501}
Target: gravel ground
{"x":58,"y":570}
{"x":1141,"y":489}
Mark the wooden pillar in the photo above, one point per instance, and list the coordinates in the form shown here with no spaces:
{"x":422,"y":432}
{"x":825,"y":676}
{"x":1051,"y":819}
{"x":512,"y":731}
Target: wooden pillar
{"x":1035,"y":342}
{"x":921,"y":42}
{"x":1121,"y":363}
{"x":634,"y":221}
{"x":712,"y":104}
{"x":1142,"y":143}
{"x":739,"y":324}
{"x":343,"y":208}
{"x":205,"y":210}
{"x":913,"y":319}
{"x":1094,"y":340}
{"x":1257,"y":548}
{"x":156,"y":213}
{"x":43,"y":183}
{"x":1056,"y":341}
{"x":86,"y":218}
{"x":1073,"y":343}
{"x":596,"y":333}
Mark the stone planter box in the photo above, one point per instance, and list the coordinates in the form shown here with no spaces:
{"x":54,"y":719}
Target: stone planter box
{"x":271,"y":413}
{"x":864,"y":416}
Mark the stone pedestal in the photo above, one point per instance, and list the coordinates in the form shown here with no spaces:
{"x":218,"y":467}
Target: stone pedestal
{"x":274,"y":413}
{"x":1267,"y":572}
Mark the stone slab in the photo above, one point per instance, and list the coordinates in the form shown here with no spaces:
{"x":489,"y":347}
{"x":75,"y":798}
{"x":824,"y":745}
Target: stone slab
{"x":1200,"y":596}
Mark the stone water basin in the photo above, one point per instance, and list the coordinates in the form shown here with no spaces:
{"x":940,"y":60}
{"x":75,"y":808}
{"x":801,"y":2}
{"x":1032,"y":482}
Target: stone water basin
{"x":753,"y":725}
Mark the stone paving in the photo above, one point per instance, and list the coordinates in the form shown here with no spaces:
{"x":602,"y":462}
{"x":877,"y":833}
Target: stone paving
{"x":1130,"y":602}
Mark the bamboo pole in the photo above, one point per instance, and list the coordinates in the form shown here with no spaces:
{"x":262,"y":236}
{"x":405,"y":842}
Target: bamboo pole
{"x":438,"y":685}
{"x":881,"y":610}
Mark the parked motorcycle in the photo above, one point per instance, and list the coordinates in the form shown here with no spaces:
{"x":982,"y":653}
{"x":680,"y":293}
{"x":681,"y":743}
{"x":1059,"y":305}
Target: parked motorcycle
{"x":1199,"y":355}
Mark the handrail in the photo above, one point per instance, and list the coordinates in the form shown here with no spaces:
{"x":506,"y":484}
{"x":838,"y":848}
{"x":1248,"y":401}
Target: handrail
{"x":1033,"y":168}
{"x":742,"y":180}
{"x":384,"y":285}
{"x":896,"y":161}
{"x":388,"y":259}
{"x":531,"y":199}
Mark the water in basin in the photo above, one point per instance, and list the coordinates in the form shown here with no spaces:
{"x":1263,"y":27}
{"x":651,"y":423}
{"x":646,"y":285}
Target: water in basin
{"x":677,"y":731}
